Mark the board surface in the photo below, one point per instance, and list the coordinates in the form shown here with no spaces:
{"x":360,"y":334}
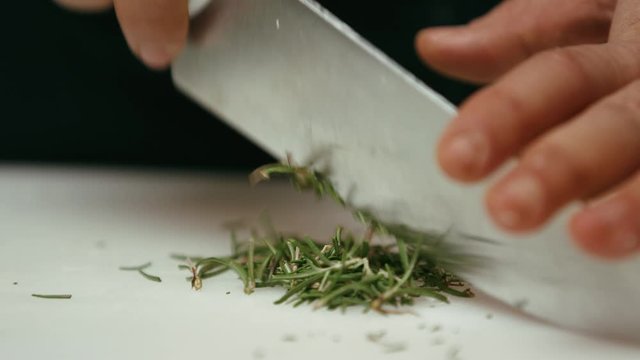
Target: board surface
{"x":65,"y":230}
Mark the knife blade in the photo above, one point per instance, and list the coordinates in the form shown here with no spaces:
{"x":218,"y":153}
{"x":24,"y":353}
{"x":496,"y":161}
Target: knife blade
{"x":295,"y":79}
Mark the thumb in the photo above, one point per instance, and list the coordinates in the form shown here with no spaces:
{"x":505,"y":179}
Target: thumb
{"x":156,"y":30}
{"x":488,"y":47}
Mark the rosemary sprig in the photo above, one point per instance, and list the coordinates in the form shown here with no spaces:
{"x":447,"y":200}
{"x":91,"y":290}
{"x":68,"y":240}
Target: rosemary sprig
{"x":348,"y":270}
{"x":47,"y":296}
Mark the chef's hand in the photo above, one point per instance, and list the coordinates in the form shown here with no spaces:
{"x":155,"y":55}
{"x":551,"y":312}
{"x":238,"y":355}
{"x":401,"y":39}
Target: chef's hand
{"x":156,"y":30}
{"x":564,"y":97}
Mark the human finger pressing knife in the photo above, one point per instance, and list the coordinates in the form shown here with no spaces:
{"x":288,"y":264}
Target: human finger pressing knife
{"x":565,"y":99}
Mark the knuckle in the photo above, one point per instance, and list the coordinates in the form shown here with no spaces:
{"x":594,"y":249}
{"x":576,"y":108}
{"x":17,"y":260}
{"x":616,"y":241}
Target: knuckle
{"x":631,"y":97}
{"x":596,"y":66}
{"x":508,"y":99}
{"x":569,"y":60}
{"x":597,"y":9}
{"x":588,"y":21}
{"x":622,"y":109}
{"x":625,"y":107}
{"x":561,"y":171}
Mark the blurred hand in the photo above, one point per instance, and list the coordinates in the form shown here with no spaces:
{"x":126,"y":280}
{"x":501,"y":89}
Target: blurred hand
{"x":156,"y":30}
{"x":564,"y":97}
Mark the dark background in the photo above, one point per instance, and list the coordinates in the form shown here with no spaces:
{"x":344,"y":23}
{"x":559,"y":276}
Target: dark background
{"x":70,"y":91}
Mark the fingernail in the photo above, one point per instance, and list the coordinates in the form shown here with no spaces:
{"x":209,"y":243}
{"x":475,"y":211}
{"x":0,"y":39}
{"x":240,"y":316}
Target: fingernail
{"x":519,"y":202}
{"x":155,"y":56}
{"x":467,"y":154}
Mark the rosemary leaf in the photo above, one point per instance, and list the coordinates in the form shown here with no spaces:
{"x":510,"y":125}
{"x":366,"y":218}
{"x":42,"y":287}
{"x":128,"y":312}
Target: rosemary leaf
{"x":135,"y":268}
{"x":149,"y":276}
{"x":299,"y":287}
{"x":47,"y":296}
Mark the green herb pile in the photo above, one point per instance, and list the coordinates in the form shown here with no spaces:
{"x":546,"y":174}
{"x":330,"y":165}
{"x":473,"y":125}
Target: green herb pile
{"x":347,"y":270}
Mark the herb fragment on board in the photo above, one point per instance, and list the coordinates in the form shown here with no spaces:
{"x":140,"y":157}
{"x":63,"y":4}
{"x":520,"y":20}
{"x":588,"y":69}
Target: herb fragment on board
{"x":521,"y":304}
{"x":454,"y":353}
{"x":388,"y":347}
{"x":289,"y":338}
{"x":48,"y":296}
{"x":345,"y":270}
{"x":258,"y":354}
{"x":135,"y":268}
{"x":394,"y":347}
{"x":376,"y":336}
{"x":149,"y":276}
{"x":140,"y":269}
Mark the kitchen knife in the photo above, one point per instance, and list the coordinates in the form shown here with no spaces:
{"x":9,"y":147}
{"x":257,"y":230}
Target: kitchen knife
{"x":294,"y":79}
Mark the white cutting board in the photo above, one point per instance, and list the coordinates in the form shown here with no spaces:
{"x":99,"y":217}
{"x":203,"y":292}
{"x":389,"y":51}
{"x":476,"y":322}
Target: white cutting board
{"x":68,"y":231}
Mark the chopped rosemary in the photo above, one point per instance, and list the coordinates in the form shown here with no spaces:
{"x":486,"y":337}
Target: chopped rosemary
{"x":149,"y":276}
{"x":454,"y":353}
{"x":521,"y":304}
{"x":258,"y":353}
{"x":376,"y":336}
{"x":289,"y":338}
{"x":348,"y":270}
{"x":389,"y":347}
{"x":394,"y":347}
{"x":140,"y":269}
{"x":135,"y":268}
{"x":46,"y":296}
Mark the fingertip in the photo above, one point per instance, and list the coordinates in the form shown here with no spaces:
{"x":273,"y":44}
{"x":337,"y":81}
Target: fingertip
{"x":518,"y":202}
{"x":457,"y":51}
{"x":422,"y":43}
{"x":156,"y":30}
{"x":431,"y":42}
{"x":158,"y":56}
{"x":587,"y":233}
{"x":442,"y":48}
{"x":596,"y":231}
{"x":464,"y":155}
